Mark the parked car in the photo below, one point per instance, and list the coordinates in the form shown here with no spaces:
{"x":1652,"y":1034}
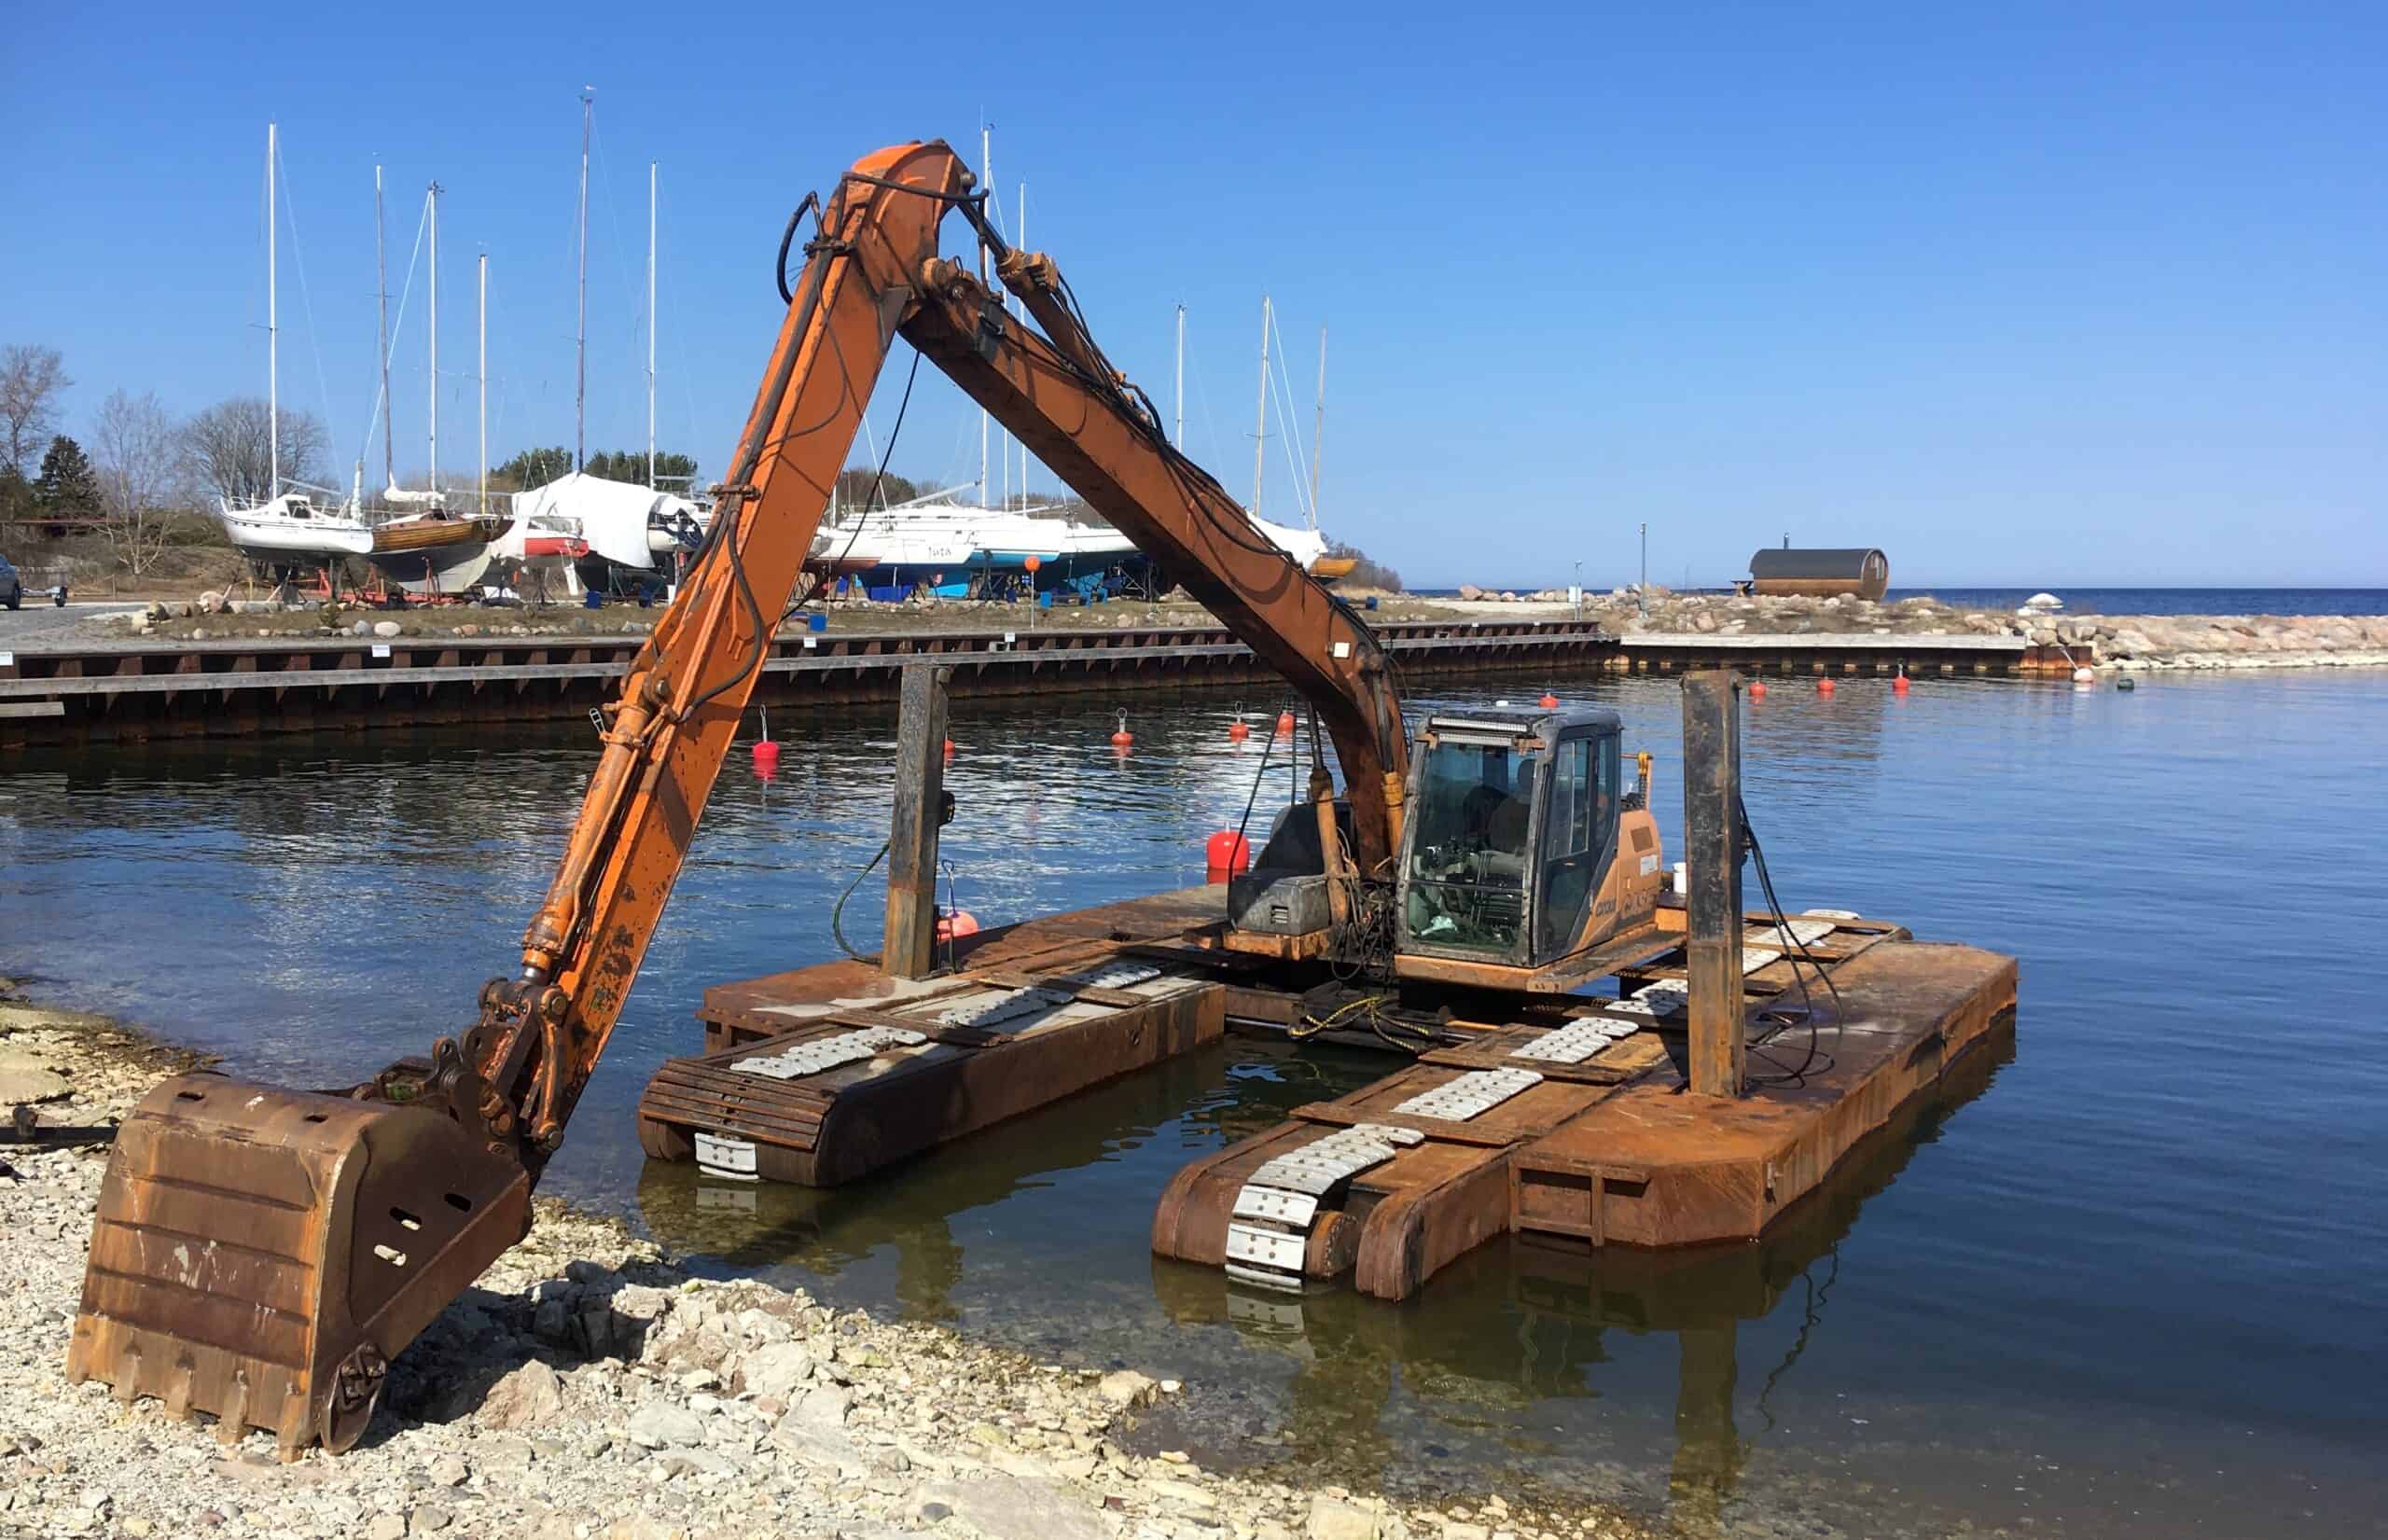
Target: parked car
{"x":12,"y":585}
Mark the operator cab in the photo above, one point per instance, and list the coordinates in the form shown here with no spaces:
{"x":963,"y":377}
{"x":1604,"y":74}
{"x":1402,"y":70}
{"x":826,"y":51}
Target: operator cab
{"x":1523,"y":855}
{"x":1512,"y":828}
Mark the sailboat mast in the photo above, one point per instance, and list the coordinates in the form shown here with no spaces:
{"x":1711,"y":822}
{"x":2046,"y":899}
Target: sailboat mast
{"x":272,"y":324}
{"x":985,"y":153}
{"x":1260,"y":428}
{"x":1023,"y":246}
{"x":580,"y":344}
{"x":382,"y":287}
{"x":434,"y":196}
{"x":1180,"y":440}
{"x":650,"y":323}
{"x":1318,"y":430}
{"x":481,"y":494}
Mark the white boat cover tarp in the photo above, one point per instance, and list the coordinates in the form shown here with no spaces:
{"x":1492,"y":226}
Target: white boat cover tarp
{"x":612,"y":516}
{"x":922,"y":529}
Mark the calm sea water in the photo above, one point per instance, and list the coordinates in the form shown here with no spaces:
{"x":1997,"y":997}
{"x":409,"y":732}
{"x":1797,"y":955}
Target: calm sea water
{"x":2128,"y":601}
{"x":2127,"y":1281}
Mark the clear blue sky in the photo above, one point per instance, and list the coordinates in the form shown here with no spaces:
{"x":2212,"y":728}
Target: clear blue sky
{"x":2039,"y":294}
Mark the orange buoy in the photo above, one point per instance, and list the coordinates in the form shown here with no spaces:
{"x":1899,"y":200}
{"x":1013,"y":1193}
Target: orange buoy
{"x":1824,"y":687}
{"x":1284,"y":724}
{"x":767,"y":757}
{"x":1549,"y":701}
{"x":957,"y":922}
{"x":948,"y":748}
{"x":1237,"y":731}
{"x":1225,"y":855}
{"x":1898,"y":686}
{"x":1121,"y":738}
{"x":1757,"y":689}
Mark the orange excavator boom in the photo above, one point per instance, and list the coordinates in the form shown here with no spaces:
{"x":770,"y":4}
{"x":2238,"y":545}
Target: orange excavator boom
{"x":262,"y":1254}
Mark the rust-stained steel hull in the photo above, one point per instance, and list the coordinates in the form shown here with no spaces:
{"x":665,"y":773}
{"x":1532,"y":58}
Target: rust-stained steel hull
{"x":852,"y":1118}
{"x":1397,"y":1223}
{"x":1607,"y":1150}
{"x":1651,"y":1168}
{"x":260,"y":1255}
{"x":1614,"y":1150}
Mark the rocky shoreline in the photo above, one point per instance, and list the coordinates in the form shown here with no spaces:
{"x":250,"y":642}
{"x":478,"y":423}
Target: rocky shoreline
{"x":2120,"y":642}
{"x":2126,"y":643}
{"x":588,"y":1386}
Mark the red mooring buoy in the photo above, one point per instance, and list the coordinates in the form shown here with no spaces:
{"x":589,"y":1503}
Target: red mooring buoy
{"x":767,"y":757}
{"x":1237,"y":731}
{"x":1549,"y":701}
{"x":957,"y":922}
{"x":948,"y":748}
{"x":1898,"y":686}
{"x":1824,"y":687}
{"x":1122,"y":738}
{"x":1757,"y":689}
{"x":1284,"y":724}
{"x":1225,"y":855}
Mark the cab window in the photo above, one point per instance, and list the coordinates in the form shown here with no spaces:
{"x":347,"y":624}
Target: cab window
{"x":1576,"y":838}
{"x":1469,"y":846}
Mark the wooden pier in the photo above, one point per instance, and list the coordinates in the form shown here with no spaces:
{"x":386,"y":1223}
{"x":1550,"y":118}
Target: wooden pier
{"x":1599,"y":1142}
{"x":135,"y":690}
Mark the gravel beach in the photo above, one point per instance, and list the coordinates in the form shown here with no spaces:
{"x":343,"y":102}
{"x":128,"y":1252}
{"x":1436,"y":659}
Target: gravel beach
{"x":587,"y":1387}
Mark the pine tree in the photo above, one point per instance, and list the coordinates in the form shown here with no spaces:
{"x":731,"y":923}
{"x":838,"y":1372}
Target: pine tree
{"x":67,"y":486}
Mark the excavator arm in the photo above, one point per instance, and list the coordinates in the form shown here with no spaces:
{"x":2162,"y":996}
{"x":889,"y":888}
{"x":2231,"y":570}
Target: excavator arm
{"x":260,"y":1253}
{"x":1058,"y":395}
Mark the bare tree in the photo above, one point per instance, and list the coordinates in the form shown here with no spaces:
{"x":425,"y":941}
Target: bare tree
{"x":32,"y":379}
{"x":230,"y":449}
{"x":145,"y":482}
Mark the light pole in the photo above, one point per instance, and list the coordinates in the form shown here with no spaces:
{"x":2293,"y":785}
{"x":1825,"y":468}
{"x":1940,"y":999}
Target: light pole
{"x":1642,"y":594}
{"x":1579,"y":591}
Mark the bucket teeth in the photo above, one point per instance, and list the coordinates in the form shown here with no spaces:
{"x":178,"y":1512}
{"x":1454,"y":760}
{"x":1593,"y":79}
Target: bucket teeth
{"x":250,"y":1242}
{"x":178,"y":1390}
{"x":232,"y":1416}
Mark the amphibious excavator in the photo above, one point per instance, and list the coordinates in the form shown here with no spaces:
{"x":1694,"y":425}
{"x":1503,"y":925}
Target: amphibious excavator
{"x":261,"y":1253}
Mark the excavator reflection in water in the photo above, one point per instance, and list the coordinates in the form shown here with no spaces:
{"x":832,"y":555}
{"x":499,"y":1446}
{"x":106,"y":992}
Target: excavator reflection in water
{"x":1513,"y":1322}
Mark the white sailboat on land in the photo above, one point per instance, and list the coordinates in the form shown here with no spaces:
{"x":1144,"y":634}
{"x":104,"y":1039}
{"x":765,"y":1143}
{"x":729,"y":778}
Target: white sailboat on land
{"x":439,"y":550}
{"x":287,"y":528}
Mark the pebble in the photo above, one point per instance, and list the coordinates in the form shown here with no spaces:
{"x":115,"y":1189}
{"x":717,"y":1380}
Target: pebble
{"x":658,"y":1424}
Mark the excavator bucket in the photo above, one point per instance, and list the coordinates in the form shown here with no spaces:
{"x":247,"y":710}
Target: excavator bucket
{"x":262,"y":1255}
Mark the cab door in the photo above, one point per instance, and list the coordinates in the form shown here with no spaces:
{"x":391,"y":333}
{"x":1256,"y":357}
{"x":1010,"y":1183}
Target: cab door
{"x":1578,"y":838}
